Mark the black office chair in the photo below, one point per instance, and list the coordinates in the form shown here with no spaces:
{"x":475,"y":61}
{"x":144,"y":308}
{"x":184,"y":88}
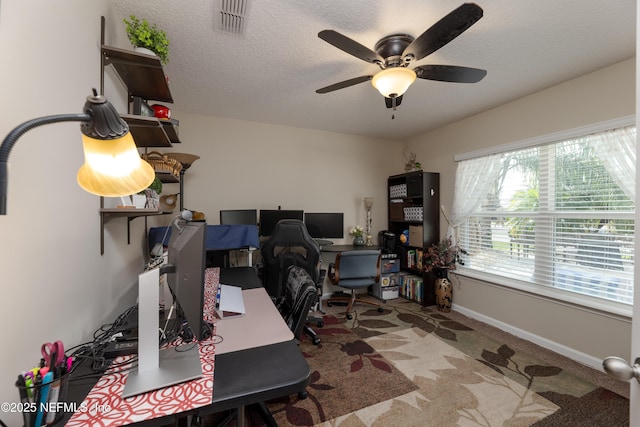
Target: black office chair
{"x":355,"y":270}
{"x":291,"y":245}
{"x":299,"y":295}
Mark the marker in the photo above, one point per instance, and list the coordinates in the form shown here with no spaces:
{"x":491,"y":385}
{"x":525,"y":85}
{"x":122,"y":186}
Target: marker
{"x":44,"y":395}
{"x":54,"y":396}
{"x":28,"y":383}
{"x":24,"y":399}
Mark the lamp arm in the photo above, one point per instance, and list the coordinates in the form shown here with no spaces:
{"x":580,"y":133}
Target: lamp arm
{"x":13,"y":137}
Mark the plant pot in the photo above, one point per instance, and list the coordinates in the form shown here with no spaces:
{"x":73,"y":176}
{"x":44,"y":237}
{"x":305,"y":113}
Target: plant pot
{"x":358,"y":241}
{"x":144,"y":50}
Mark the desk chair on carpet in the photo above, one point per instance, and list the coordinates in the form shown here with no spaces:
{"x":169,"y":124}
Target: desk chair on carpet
{"x":291,"y":245}
{"x":355,"y":270}
{"x":299,"y":295}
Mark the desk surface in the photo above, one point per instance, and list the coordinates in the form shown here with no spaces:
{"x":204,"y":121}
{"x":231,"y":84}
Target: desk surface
{"x":244,"y":376}
{"x":343,"y":248}
{"x":261,"y":325}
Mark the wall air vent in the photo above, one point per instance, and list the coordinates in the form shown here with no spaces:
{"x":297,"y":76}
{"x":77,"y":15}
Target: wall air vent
{"x":231,"y":16}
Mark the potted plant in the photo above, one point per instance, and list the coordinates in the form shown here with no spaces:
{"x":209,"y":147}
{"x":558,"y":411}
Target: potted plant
{"x":440,"y":258}
{"x":143,"y":35}
{"x":357,"y":232}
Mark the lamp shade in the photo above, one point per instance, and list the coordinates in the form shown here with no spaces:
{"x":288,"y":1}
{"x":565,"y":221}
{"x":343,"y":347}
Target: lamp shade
{"x":113,"y":167}
{"x":368,"y":202}
{"x":393,"y":82}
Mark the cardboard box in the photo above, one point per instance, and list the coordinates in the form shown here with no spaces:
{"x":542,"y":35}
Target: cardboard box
{"x":416,"y":236}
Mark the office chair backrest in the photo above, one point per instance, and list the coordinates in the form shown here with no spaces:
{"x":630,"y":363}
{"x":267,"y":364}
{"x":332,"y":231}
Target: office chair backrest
{"x":289,"y":244}
{"x":299,"y":294}
{"x":360,"y":264}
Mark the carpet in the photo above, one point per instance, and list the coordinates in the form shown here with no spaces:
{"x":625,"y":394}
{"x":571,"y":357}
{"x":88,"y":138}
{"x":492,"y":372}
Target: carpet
{"x":415,"y":366}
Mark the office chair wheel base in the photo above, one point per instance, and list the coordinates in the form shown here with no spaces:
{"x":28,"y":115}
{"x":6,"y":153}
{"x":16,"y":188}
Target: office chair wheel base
{"x":329,"y":304}
{"x":320,"y":324}
{"x":380,"y":310}
{"x":349,"y":316}
{"x":315,"y":340}
{"x":303,"y":395}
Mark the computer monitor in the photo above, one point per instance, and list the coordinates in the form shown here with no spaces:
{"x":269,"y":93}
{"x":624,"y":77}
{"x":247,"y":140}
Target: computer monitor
{"x":239,"y":217}
{"x":325,"y":225}
{"x":186,"y":252}
{"x":269,"y":218}
{"x":172,"y":365}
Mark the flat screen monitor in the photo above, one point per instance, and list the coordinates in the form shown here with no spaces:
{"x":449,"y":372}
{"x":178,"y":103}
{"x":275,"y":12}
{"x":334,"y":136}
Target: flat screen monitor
{"x":187,"y":254}
{"x":239,"y":217}
{"x":325,"y":225}
{"x":269,"y":219}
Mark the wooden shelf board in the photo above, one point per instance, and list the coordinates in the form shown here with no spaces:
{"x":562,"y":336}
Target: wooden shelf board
{"x":142,"y":74}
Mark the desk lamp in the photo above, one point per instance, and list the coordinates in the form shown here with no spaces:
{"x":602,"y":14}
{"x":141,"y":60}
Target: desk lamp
{"x":112,"y":167}
{"x":368,"y":203}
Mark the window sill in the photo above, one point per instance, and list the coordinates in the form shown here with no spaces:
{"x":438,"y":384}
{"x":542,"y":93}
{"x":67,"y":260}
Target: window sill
{"x":611,"y":309}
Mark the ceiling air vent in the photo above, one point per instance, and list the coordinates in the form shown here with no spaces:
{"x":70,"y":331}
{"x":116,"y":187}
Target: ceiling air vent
{"x":231,"y":16}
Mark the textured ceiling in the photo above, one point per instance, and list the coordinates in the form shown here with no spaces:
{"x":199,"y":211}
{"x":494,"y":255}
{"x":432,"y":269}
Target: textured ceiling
{"x":270,"y":73}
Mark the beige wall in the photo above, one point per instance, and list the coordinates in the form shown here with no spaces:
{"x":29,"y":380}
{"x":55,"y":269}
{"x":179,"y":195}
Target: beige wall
{"x":595,"y":97}
{"x":246,"y":165}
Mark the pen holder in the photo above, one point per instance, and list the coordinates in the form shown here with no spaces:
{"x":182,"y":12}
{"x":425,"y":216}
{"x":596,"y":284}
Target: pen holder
{"x":52,"y":407}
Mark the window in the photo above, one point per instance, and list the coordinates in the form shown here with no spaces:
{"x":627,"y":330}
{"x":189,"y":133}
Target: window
{"x":558,"y":215}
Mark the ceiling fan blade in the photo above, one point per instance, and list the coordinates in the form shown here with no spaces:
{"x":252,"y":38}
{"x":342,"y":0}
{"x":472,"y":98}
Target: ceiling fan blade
{"x":450,"y":73}
{"x":344,"y":84}
{"x":445,"y":30}
{"x":350,"y":46}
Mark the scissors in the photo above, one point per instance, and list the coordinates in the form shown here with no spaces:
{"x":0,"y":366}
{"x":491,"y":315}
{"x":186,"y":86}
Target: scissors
{"x":53,"y":353}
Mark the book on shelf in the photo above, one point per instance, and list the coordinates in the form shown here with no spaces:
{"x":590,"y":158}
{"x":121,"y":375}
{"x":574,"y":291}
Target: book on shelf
{"x":412,"y":287}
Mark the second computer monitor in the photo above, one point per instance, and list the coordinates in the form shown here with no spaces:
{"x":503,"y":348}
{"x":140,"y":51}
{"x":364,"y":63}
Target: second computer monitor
{"x":325,"y":225}
{"x":270,"y":217}
{"x":239,"y":217}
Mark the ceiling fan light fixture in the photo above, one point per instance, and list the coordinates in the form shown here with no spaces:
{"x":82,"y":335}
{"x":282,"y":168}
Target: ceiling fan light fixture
{"x":393,"y":82}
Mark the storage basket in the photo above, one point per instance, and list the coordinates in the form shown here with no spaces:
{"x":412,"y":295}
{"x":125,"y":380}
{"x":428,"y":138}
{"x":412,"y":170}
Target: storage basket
{"x":185,"y":159}
{"x":163,"y":163}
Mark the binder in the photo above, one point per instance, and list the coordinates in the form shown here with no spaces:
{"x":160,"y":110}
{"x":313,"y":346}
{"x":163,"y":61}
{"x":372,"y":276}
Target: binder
{"x":229,"y":301}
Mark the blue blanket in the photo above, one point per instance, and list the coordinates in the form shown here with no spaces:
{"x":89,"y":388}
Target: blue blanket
{"x":218,"y":237}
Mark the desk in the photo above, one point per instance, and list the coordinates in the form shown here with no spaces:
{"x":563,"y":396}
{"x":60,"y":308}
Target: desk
{"x":344,"y":248}
{"x":244,"y":374}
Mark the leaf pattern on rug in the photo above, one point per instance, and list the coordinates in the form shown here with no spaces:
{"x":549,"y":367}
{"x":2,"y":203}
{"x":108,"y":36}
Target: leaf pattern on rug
{"x":445,"y":373}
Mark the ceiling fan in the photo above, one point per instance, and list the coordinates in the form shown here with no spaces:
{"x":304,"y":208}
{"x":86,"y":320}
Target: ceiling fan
{"x":394,"y":53}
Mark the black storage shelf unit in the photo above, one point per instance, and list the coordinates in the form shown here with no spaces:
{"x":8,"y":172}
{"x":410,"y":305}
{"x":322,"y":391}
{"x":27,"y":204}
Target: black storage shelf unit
{"x":414,"y":203}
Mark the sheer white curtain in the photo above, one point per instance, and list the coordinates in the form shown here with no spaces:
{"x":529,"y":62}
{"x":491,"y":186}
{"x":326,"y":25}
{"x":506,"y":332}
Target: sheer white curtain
{"x":474,"y":177}
{"x":616,"y":149}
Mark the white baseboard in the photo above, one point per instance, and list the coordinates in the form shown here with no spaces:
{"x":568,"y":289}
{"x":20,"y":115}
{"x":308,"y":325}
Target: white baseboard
{"x":571,"y":353}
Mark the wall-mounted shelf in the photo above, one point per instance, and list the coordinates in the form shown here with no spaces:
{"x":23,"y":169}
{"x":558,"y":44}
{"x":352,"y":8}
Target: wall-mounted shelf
{"x":141,"y":74}
{"x":107,"y":214}
{"x":147,"y":131}
{"x":143,"y":77}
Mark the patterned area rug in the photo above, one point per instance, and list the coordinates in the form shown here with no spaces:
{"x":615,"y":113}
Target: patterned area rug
{"x":414,"y":366}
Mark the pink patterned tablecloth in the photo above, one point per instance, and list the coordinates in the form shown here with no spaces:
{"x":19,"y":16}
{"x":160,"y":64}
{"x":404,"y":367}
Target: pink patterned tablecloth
{"x":104,"y":405}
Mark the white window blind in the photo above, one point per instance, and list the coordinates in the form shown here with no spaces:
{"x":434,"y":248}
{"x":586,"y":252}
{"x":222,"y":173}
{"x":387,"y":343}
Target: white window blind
{"x":559,"y":215}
